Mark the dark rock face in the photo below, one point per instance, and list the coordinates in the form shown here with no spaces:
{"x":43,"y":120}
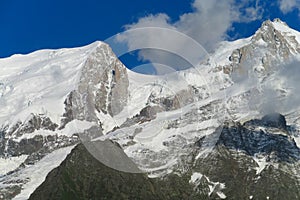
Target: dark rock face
{"x":274,"y":120}
{"x":238,"y":172}
{"x":70,"y":105}
{"x":232,"y":160}
{"x":35,"y":122}
{"x":149,"y":112}
{"x":103,"y":83}
{"x":38,"y":144}
{"x":250,"y":139}
{"x":254,"y":142}
{"x":11,"y":146}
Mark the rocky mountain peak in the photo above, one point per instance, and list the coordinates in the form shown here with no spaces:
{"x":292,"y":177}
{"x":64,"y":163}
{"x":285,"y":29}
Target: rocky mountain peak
{"x":273,"y":33}
{"x":273,"y":43}
{"x":104,"y":79}
{"x":269,"y":25}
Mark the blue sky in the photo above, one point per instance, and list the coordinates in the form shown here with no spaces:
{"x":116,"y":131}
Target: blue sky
{"x":36,"y":24}
{"x":30,"y":25}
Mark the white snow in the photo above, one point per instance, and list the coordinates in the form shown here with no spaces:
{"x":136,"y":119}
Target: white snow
{"x":39,"y":82}
{"x":38,"y":172}
{"x":11,"y":163}
{"x":212,"y":186}
{"x":286,"y":30}
{"x":262,"y":163}
{"x":153,"y":171}
{"x":76,"y":126}
{"x":223,"y":52}
{"x":195,"y":178}
{"x":221,"y":195}
{"x":140,"y":88}
{"x":297,"y":140}
{"x":108,"y":122}
{"x":260,"y":42}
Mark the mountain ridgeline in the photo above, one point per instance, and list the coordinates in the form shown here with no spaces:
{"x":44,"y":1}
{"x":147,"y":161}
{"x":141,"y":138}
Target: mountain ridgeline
{"x":77,"y":124}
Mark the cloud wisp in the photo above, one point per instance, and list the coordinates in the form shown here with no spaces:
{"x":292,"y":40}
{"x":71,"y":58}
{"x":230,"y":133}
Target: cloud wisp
{"x":207,"y":24}
{"x":278,"y":93}
{"x":287,"y":6}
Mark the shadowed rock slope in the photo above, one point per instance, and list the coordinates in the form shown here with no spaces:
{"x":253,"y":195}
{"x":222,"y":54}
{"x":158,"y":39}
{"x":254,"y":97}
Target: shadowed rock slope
{"x":81,"y":176}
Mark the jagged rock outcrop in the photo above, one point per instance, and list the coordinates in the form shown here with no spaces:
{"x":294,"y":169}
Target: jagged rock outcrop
{"x":274,"y":120}
{"x":104,"y":82}
{"x":264,"y":164}
{"x":252,"y":140}
{"x":268,"y":47}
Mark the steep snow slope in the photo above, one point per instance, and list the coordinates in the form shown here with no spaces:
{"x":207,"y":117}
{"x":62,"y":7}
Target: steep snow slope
{"x":39,"y":82}
{"x":37,"y":173}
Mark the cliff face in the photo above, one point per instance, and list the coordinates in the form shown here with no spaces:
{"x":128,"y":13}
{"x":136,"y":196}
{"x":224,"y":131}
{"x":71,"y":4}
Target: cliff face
{"x":104,"y":82}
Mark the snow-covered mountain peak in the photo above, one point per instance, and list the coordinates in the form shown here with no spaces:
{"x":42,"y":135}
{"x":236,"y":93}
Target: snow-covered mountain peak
{"x":259,"y":55}
{"x":272,"y":43}
{"x":40,"y":81}
{"x":269,"y":25}
{"x":44,"y":95}
{"x":277,"y":34}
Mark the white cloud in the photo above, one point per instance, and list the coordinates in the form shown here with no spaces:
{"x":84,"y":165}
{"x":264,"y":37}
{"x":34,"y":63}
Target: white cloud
{"x":208,"y":24}
{"x":288,"y":5}
{"x":279,"y":92}
{"x":250,"y":10}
